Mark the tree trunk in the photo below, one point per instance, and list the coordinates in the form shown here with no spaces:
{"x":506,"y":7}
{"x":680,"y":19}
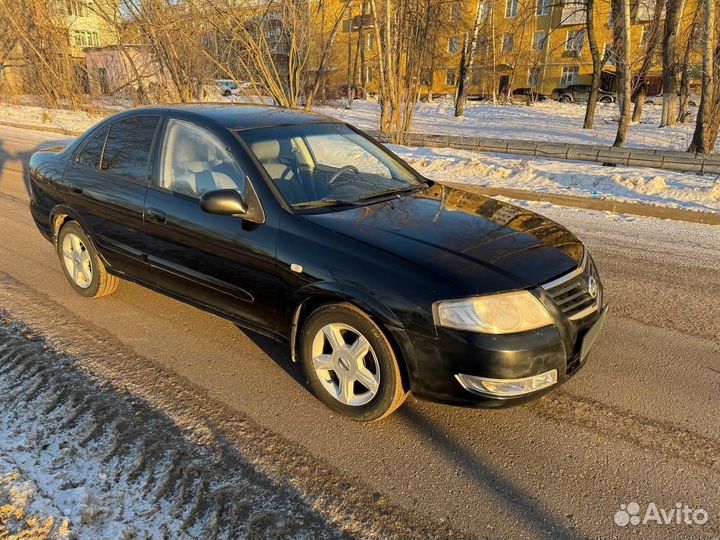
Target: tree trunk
{"x":323,"y":60}
{"x":673,"y":18}
{"x":651,"y":47}
{"x":684,"y":67}
{"x":700,"y":142}
{"x":466,"y":65}
{"x":622,"y":46}
{"x":597,"y":62}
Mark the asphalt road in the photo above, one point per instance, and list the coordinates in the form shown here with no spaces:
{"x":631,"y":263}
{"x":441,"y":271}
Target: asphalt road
{"x":639,"y":423}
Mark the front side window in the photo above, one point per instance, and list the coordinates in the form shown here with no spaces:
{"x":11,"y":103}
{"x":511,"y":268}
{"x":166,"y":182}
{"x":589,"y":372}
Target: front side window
{"x":325,"y":163}
{"x":127,"y":150}
{"x":194,"y":161}
{"x":92,"y":151}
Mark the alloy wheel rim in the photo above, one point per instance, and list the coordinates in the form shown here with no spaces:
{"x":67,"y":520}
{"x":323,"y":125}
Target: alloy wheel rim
{"x":346,"y":364}
{"x":76,"y":258}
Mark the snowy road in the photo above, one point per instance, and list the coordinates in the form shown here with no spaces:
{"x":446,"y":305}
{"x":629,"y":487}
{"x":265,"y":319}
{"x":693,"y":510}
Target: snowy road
{"x":237,"y":446}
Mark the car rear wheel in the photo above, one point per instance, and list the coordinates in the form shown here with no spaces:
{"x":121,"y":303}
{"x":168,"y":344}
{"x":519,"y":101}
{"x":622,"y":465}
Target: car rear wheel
{"x":605,"y":100}
{"x":81,"y":264}
{"x":565,"y":99}
{"x":350,"y":364}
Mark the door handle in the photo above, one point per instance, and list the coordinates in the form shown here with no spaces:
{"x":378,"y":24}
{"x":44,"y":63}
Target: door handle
{"x":158,"y":216}
{"x":75,"y":188}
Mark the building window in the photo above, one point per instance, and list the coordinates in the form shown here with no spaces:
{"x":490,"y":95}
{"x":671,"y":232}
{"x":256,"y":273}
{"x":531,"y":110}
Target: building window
{"x":645,"y":36}
{"x":575,"y":40}
{"x":453,"y":45}
{"x":450,"y":77}
{"x":370,"y":42}
{"x":574,"y":12}
{"x":455,"y":13}
{"x":508,"y":43}
{"x":476,"y":77}
{"x":426,"y":78}
{"x":543,"y":7}
{"x":540,"y":40}
{"x":511,"y":8}
{"x":569,"y":75}
{"x":485,"y":10}
{"x":534,"y":77}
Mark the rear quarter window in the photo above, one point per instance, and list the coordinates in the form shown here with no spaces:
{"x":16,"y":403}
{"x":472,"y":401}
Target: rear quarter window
{"x":92,"y":151}
{"x":127,"y":151}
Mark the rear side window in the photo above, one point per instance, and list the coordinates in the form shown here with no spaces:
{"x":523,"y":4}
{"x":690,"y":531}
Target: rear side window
{"x":127,"y":150}
{"x":92,"y":151}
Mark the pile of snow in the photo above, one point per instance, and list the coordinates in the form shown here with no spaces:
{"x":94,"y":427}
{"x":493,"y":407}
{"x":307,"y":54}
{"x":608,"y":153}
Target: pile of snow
{"x":676,"y":190}
{"x":28,"y":115}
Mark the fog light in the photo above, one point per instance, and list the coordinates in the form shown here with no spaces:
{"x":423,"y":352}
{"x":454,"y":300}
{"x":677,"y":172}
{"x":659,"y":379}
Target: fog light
{"x":507,"y":387}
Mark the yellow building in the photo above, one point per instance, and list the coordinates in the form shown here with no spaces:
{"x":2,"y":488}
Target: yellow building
{"x":522,"y":44}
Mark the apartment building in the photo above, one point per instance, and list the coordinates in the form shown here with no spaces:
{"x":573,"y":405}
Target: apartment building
{"x":522,"y":44}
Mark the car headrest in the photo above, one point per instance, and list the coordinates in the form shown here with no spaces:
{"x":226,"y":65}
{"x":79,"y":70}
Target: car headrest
{"x":266,"y":150}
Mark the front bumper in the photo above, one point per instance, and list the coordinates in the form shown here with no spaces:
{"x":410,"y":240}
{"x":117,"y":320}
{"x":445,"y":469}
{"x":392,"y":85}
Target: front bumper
{"x":436,"y":361}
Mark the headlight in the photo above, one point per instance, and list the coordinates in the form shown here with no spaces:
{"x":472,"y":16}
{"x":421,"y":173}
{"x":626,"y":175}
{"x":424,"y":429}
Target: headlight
{"x":502,"y":313}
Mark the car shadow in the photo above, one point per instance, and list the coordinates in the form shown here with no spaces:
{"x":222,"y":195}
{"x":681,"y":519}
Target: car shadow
{"x":278,"y":353}
{"x":517,"y":503}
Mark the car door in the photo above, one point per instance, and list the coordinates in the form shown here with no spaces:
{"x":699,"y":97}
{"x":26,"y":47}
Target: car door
{"x":106,"y":185}
{"x":222,"y":262}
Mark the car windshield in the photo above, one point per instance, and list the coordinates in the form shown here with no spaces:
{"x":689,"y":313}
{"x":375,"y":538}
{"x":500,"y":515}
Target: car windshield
{"x":323,"y":165}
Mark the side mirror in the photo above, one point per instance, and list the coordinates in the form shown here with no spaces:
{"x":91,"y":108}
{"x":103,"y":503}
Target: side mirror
{"x":223,"y":202}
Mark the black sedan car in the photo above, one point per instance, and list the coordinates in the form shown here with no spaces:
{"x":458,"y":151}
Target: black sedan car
{"x":302,"y":228}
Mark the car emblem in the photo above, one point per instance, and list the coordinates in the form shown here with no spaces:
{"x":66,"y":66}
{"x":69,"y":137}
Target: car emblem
{"x":592,"y":287}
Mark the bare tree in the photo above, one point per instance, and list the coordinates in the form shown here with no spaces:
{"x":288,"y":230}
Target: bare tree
{"x":621,"y":33}
{"x":598,"y":62}
{"x":692,"y":32}
{"x":673,"y":18}
{"x":402,"y":30}
{"x":700,"y":141}
{"x":651,"y":44}
{"x":468,"y":57}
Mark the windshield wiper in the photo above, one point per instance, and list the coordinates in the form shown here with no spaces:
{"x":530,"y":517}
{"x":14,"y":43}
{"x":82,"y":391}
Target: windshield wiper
{"x":389,"y":192}
{"x":323,"y":203}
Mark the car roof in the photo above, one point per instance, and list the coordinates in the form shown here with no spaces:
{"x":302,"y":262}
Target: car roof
{"x":240,"y":116}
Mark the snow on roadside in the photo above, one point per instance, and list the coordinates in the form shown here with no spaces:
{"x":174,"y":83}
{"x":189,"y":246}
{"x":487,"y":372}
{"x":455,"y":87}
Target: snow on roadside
{"x":650,"y":186}
{"x":80,"y":458}
{"x":545,"y":121}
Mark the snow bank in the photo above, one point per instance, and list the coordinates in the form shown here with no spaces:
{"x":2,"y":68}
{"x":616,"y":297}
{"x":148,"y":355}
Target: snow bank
{"x":676,"y":190}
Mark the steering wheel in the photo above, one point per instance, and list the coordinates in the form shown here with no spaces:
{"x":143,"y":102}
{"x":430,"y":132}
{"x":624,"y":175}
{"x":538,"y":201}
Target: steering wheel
{"x":341,"y":171}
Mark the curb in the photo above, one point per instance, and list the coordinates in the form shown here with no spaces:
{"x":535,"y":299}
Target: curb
{"x":35,"y":127}
{"x":602,"y":205}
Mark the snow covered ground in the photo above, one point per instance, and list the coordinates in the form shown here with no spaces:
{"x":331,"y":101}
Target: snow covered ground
{"x":649,"y":186}
{"x":543,"y":121}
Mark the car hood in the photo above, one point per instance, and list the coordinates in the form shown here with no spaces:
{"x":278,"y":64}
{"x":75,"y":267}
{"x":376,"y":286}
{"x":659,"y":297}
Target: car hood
{"x":478,"y":242}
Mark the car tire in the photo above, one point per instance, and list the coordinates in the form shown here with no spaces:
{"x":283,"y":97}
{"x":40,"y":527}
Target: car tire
{"x":605,"y":100}
{"x":81,"y":264}
{"x":565,"y":99}
{"x":329,"y":341}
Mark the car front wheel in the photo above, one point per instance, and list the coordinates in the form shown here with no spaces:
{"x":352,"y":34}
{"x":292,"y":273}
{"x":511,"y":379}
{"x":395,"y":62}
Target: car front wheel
{"x":565,"y":99}
{"x":81,"y":264}
{"x":349,"y":363}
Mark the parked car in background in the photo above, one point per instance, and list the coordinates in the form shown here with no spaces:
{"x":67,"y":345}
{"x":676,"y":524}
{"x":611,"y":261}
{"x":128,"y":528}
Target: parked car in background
{"x":527,"y":95}
{"x":229,"y":87}
{"x":300,"y":227}
{"x":580,"y":93}
{"x":693,"y":99}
